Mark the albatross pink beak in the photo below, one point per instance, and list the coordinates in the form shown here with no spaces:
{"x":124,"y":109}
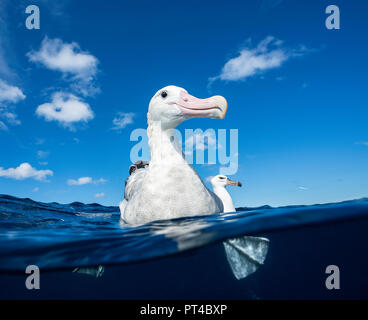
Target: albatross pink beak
{"x":230,"y":182}
{"x":214,"y":107}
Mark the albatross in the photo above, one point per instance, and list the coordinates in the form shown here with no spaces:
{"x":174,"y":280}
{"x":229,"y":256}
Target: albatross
{"x":219,"y":184}
{"x":170,"y":187}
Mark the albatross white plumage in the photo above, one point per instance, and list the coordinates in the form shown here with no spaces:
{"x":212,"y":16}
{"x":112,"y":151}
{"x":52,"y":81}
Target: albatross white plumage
{"x":169,"y":187}
{"x":219,"y":184}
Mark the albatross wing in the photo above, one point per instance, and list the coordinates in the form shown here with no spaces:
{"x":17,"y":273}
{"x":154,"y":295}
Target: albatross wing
{"x":133,"y":184}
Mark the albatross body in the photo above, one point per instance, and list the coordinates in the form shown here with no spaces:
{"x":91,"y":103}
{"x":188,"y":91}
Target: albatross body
{"x":169,"y":187}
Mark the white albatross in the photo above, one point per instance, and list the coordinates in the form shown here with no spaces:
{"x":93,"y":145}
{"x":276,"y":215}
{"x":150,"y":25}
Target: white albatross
{"x":169,"y":187}
{"x":219,"y":184}
{"x":245,"y":254}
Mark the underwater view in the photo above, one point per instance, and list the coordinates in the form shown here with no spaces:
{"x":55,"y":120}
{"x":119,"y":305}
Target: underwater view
{"x":84,"y":253}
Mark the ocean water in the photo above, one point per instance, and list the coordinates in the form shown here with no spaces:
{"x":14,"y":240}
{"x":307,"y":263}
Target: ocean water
{"x":84,"y":253}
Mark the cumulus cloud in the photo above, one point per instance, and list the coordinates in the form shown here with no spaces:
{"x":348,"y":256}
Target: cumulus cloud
{"x":77,"y":65}
{"x":65,"y":108}
{"x":24,"y":171}
{"x":9,"y":93}
{"x":65,"y":57}
{"x":85,"y":180}
{"x":122,"y":120}
{"x":79,"y":68}
{"x":80,"y":181}
{"x":268,"y":54}
{"x":99,"y":195}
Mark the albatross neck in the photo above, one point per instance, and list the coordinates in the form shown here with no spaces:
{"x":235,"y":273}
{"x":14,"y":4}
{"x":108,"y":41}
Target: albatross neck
{"x":164,"y":146}
{"x":225,"y":197}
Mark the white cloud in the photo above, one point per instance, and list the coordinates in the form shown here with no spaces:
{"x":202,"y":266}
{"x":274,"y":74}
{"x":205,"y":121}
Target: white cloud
{"x":11,"y":117}
{"x":9,"y":93}
{"x":252,"y":61}
{"x":76,"y":65}
{"x":80,"y":181}
{"x":302,"y":188}
{"x":363,"y":143}
{"x":36,"y":189}
{"x":24,"y":171}
{"x":99,"y":195}
{"x":65,"y":108}
{"x":85,"y":180}
{"x":65,"y":57}
{"x":122,"y":120}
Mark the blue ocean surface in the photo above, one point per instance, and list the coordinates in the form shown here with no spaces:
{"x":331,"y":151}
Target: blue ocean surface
{"x":84,"y":253}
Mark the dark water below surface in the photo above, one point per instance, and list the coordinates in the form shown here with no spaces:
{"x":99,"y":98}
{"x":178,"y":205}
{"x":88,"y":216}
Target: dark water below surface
{"x":182,"y":258}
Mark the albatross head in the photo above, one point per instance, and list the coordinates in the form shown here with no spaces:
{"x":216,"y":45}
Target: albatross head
{"x":223,"y":181}
{"x":172,"y":105}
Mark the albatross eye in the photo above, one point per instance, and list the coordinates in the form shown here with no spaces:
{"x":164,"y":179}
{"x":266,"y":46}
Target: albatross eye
{"x":164,"y":94}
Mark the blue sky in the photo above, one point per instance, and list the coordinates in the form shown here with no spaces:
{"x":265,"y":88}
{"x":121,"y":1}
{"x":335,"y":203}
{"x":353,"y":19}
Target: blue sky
{"x":301,"y":107}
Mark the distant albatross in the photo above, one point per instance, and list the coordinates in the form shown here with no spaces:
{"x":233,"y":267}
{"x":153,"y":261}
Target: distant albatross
{"x":219,"y":184}
{"x":169,"y":187}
